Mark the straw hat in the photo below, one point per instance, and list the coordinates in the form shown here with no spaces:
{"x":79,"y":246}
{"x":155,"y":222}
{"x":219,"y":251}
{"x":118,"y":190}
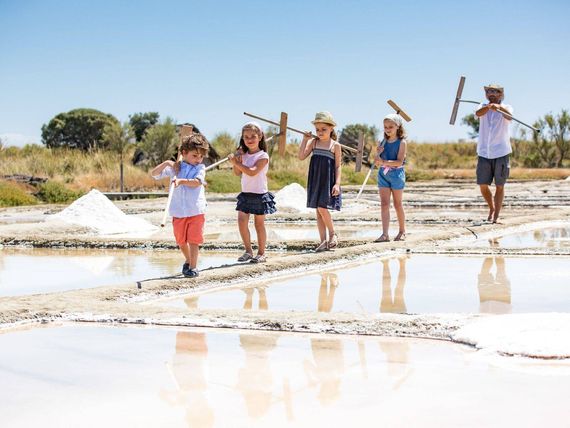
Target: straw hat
{"x":494,"y":86}
{"x":324,"y":117}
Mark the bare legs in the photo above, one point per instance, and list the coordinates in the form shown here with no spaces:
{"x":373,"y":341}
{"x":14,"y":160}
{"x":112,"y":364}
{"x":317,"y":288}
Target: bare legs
{"x":259,"y":222}
{"x":398,"y":196}
{"x":190,"y":252}
{"x":495,"y":203}
{"x":324,"y":223}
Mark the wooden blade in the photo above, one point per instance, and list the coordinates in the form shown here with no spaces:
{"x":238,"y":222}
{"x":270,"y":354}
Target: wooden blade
{"x":399,"y":111}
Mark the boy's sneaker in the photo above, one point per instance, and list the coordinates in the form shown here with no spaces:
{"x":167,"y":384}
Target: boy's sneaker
{"x":191,"y":273}
{"x":185,"y":268}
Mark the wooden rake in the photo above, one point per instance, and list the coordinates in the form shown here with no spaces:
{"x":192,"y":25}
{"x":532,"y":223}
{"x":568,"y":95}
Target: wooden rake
{"x":459,"y":100}
{"x":282,"y":136}
{"x":358,"y":151}
{"x":407,"y":118}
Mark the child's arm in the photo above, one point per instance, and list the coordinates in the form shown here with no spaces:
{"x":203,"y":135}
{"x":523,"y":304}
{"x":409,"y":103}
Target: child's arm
{"x":197,"y":181}
{"x":401,"y":157}
{"x":306,"y":149}
{"x":251,"y":171}
{"x":157,"y":171}
{"x":338,"y":169}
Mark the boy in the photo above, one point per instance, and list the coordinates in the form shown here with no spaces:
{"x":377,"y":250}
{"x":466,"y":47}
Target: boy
{"x":493,"y":148}
{"x":188,"y":203}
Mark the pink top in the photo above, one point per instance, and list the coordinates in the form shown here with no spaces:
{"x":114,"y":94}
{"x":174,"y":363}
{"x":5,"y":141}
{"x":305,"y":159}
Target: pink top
{"x":258,"y":182}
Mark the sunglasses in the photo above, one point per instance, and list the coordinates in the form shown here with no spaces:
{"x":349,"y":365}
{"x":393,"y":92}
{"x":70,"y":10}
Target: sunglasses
{"x":494,"y":91}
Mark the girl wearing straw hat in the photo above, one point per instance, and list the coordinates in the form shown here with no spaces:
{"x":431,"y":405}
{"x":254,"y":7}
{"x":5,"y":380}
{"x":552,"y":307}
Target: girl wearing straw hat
{"x":323,"y":182}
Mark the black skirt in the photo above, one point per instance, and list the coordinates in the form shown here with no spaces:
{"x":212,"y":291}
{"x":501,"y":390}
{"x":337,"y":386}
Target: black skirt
{"x":256,"y":203}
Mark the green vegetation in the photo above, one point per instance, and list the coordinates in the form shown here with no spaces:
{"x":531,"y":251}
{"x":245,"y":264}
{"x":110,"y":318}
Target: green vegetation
{"x":53,"y":192}
{"x":160,"y":142}
{"x":12,"y":195}
{"x":140,"y":122}
{"x":77,"y":129}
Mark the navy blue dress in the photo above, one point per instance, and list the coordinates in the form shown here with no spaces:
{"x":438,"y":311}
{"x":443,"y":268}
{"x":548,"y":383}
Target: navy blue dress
{"x":322,"y":177}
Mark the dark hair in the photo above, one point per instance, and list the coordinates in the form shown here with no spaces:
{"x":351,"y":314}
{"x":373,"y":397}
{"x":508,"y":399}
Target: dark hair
{"x":262,"y":143}
{"x":193,"y":142}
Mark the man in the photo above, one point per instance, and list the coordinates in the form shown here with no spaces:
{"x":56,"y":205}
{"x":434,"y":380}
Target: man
{"x":493,"y":148}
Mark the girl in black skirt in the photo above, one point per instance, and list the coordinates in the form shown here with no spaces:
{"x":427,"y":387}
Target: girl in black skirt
{"x":323,"y":183}
{"x":251,"y":163}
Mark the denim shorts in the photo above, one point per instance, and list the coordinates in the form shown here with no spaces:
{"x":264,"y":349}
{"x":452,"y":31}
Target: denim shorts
{"x":498,"y":168}
{"x":395,"y":178}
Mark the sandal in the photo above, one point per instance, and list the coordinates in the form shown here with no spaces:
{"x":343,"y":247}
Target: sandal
{"x":333,"y":242}
{"x":401,"y":236}
{"x":245,"y":257}
{"x":260,"y":258}
{"x":323,"y":246}
{"x":382,"y":238}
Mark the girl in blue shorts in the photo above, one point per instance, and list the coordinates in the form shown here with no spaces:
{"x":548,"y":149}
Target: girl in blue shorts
{"x":390,"y":159}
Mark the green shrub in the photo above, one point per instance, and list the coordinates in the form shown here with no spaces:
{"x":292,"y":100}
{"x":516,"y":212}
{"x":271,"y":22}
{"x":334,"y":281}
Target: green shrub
{"x":12,"y":196}
{"x":53,"y":192}
{"x":281,"y":178}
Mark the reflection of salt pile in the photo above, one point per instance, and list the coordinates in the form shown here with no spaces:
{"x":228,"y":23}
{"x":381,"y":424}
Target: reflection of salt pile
{"x":96,"y":211}
{"x":292,"y":197}
{"x":531,"y":335}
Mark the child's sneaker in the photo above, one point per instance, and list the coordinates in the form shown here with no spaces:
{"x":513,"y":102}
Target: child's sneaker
{"x":185,"y":269}
{"x":245,"y":257}
{"x":260,"y":258}
{"x":191,"y":273}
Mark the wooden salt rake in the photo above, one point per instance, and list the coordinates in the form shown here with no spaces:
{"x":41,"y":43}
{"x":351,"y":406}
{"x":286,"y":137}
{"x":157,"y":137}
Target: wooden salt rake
{"x":459,"y":100}
{"x":407,"y":118}
{"x":359,"y":151}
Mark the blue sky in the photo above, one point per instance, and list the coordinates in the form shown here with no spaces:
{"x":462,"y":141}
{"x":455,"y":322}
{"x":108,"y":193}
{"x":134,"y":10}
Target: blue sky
{"x":209,"y":61}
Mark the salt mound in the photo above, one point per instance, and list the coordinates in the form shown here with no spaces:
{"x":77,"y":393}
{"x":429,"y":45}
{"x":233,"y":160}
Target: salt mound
{"x":95,"y":211}
{"x":294,"y":197}
{"x":528,"y":335}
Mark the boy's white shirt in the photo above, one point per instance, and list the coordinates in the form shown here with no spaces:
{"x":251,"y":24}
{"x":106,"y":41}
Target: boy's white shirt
{"x":186,"y":201}
{"x":494,"y":134}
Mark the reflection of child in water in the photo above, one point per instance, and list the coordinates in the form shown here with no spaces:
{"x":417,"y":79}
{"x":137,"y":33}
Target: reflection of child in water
{"x":327,"y":368}
{"x":248,"y":304}
{"x":329,"y":283}
{"x":254,"y":378}
{"x":188,"y":372}
{"x":494,"y":292}
{"x":397,"y":303}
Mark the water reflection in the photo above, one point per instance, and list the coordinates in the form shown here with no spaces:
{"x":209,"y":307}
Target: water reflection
{"x":329,"y":284}
{"x":188,"y":372}
{"x":494,"y":290}
{"x":262,"y":298}
{"x":393,"y":303}
{"x":326,"y":368}
{"x":255,"y":381}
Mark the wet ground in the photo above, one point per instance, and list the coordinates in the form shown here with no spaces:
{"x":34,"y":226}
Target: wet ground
{"x":345,"y":332}
{"x":95,"y":376}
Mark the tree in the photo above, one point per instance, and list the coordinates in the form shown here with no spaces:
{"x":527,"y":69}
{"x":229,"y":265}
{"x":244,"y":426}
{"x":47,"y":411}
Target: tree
{"x":224,"y":143}
{"x":471,"y":121}
{"x":119,"y":137}
{"x":160,"y":142}
{"x":554,"y":133}
{"x":140,"y":122}
{"x":349,"y":137}
{"x":77,"y":129}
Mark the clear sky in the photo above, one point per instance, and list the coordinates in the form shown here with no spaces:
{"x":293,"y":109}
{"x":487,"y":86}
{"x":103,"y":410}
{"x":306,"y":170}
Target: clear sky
{"x":207,"y":62}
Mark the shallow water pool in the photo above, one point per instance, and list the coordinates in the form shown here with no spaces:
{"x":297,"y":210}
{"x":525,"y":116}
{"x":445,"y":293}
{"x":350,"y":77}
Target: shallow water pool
{"x":92,"y":376}
{"x":31,"y":271}
{"x":411,"y":284}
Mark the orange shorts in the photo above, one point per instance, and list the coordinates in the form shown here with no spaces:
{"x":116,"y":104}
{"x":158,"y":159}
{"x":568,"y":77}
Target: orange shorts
{"x":189,"y":230}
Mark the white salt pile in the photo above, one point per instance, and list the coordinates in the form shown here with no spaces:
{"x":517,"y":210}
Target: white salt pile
{"x":97,"y":212}
{"x":529,"y":335}
{"x":292,"y":197}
